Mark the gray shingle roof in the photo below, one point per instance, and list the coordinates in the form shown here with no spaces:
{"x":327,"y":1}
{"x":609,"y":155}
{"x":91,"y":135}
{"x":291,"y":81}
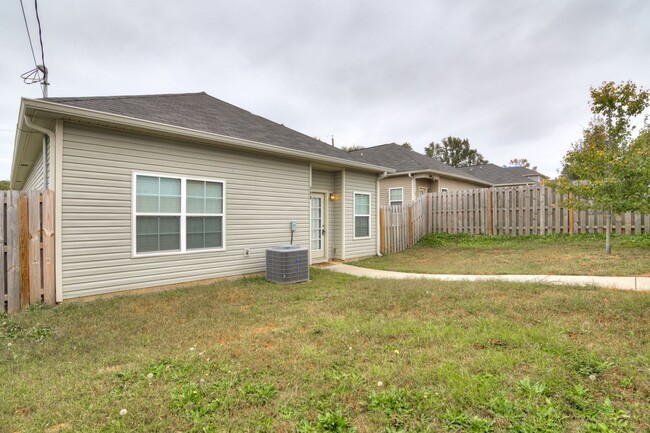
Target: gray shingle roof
{"x":404,"y":160}
{"x":202,"y":112}
{"x":502,"y":175}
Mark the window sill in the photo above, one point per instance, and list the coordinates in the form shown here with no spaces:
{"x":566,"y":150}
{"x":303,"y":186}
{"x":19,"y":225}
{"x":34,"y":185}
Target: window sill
{"x":176,"y":253}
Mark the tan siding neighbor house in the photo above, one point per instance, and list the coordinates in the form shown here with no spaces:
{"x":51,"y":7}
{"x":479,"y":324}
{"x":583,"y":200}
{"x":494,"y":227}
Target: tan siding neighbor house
{"x":415,"y":174}
{"x":165,"y":189}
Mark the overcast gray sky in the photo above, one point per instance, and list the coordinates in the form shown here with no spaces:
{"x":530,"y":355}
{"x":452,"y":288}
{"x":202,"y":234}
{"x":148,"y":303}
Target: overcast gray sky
{"x":511,"y":76}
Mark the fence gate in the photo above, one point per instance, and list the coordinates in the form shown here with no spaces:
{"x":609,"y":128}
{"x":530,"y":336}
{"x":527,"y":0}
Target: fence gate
{"x":27,"y":257}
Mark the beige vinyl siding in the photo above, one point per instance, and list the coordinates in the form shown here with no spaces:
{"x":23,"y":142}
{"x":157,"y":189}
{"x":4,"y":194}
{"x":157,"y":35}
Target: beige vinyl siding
{"x":360,"y":183}
{"x":422,"y":183}
{"x":396,"y":182}
{"x":321,"y":181}
{"x":455,"y":185}
{"x":36,"y":178}
{"x":336,"y":222}
{"x":263,"y":195}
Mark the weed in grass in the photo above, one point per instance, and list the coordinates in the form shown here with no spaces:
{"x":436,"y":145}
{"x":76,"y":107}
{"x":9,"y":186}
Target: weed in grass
{"x":457,"y":419}
{"x":579,"y":397}
{"x":395,"y":402}
{"x":532,"y":389}
{"x":11,"y":330}
{"x":589,"y":364}
{"x":327,"y":422}
{"x":607,"y":419}
{"x":501,"y":406}
{"x":258,"y":393}
{"x":546,"y":417}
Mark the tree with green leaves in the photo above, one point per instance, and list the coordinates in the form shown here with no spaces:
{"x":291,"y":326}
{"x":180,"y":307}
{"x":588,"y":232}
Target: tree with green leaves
{"x":455,"y":151}
{"x":608,"y":169}
{"x":352,"y":147}
{"x":521,"y":162}
{"x":407,"y":145}
{"x":4,"y":185}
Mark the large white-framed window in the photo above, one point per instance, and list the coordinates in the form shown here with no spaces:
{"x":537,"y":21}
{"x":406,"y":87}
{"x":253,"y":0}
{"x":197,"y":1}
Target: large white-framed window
{"x":396,"y":196}
{"x":176,"y":214}
{"x":361,"y":215}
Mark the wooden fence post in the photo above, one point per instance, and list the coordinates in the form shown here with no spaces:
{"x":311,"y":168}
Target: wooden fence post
{"x":34,"y":246}
{"x":382,"y":235}
{"x":571,"y":216}
{"x":14,"y":288}
{"x":410,"y":241}
{"x":23,"y":212}
{"x":49,"y":281}
{"x":490,"y":230}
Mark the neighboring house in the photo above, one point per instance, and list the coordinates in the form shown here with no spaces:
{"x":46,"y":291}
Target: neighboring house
{"x":165,"y":189}
{"x":415,"y":174}
{"x":504,"y":176}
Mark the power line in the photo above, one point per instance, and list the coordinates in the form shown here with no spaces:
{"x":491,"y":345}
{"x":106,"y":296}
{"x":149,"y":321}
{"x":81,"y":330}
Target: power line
{"x":39,"y":74}
{"x":40,"y":33}
{"x":29,"y":36}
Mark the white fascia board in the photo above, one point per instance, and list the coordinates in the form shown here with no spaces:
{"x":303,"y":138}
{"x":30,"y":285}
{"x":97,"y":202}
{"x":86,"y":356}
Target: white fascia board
{"x":107,"y":119}
{"x":440,"y":174}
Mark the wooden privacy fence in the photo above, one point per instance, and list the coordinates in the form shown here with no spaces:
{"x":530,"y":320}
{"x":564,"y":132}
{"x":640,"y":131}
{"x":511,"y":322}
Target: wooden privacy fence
{"x":515,"y":211}
{"x":27,"y":259}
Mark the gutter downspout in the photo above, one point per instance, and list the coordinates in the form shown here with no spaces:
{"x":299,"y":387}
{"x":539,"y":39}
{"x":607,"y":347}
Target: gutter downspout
{"x":48,"y":137}
{"x":412,"y":186}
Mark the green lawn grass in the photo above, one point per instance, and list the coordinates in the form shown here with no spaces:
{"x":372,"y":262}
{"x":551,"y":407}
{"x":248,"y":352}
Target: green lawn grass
{"x":337,"y":354}
{"x":531,"y":255}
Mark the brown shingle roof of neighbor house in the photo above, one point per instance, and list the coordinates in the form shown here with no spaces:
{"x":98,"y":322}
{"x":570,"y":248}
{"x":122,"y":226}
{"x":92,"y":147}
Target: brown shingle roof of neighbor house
{"x":502,"y":176}
{"x":404,"y":160}
{"x":202,"y":112}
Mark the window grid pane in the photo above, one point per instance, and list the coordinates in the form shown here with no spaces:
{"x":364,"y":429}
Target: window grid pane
{"x":361,"y":204}
{"x":158,"y":233}
{"x":158,"y":194}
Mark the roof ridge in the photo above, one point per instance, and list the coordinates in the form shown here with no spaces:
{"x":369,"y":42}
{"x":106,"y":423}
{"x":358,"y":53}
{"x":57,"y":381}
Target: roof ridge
{"x":98,"y":97}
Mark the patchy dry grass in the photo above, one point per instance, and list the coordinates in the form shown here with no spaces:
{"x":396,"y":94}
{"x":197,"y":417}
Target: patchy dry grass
{"x":531,"y":255}
{"x":338,"y":354}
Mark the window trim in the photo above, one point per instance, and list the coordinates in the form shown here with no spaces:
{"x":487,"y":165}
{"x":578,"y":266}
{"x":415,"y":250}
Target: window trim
{"x":183,"y":215}
{"x":390,"y":202}
{"x":354,"y":221}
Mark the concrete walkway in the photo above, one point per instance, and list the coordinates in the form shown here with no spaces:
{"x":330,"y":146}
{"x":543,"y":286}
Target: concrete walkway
{"x":621,"y":283}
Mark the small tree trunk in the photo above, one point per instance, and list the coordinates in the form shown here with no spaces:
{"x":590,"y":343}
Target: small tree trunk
{"x":608,"y":234}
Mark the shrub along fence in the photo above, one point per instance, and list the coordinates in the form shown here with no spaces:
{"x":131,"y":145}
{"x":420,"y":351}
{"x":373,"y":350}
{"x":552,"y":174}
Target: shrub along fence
{"x":27,"y":258}
{"x":515,"y":211}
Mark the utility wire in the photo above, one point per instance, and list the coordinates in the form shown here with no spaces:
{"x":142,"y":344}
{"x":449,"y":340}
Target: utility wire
{"x":29,"y":36}
{"x":40,"y":33}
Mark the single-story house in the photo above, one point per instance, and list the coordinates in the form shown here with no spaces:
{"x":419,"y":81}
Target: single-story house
{"x":504,"y":176}
{"x":415,"y":174}
{"x":165,"y":189}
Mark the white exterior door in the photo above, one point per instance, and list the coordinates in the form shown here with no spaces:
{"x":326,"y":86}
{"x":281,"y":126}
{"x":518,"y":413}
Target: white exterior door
{"x":318,"y":227}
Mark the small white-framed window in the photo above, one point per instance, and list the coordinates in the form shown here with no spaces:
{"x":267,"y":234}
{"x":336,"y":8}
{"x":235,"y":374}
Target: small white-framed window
{"x":444,"y":190}
{"x":361,"y":215}
{"x":396,"y":196}
{"x":173,"y":214}
{"x":422,"y":190}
